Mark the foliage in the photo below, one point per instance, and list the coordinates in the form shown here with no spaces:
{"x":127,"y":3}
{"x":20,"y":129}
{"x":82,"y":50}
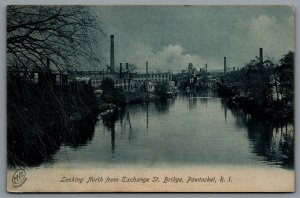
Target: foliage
{"x":39,"y":114}
{"x":258,"y":81}
{"x":110,"y":93}
{"x":285,"y":71}
{"x":183,"y":83}
{"x":161,"y":89}
{"x":107,"y":85}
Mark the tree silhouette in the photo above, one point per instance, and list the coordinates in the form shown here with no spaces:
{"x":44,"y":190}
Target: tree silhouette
{"x":285,"y":71}
{"x":64,"y":34}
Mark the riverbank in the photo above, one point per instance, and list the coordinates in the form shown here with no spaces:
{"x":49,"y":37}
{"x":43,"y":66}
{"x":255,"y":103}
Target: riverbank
{"x":40,"y":116}
{"x":271,"y":110}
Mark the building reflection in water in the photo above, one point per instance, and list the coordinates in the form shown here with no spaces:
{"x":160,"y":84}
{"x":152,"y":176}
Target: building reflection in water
{"x":192,"y":100}
{"x":125,"y":124}
{"x":224,"y":107}
{"x":273,"y":142}
{"x":163,"y":106}
{"x":204,"y":100}
{"x":147,"y":124}
{"x":123,"y":115}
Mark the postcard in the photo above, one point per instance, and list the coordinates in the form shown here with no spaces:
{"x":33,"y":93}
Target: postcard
{"x":150,"y":98}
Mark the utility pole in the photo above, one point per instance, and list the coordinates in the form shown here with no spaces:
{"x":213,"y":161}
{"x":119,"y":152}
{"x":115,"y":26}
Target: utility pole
{"x":225,"y":66}
{"x":127,"y":76}
{"x":147,"y":76}
{"x":112,"y":54}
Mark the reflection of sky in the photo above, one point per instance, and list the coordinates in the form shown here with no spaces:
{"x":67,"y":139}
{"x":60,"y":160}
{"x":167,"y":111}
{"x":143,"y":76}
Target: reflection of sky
{"x":176,"y":135}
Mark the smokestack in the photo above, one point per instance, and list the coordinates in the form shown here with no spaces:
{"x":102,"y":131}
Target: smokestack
{"x":127,"y":67}
{"x":120,"y":70}
{"x":146,"y":67}
{"x":112,"y":54}
{"x":225,"y":69}
{"x":233,"y":68}
{"x":147,"y":72}
{"x":206,"y":67}
{"x":261,"y":55}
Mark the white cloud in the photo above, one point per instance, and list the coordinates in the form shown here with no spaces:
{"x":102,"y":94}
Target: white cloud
{"x":171,"y":38}
{"x":171,"y":57}
{"x":274,"y":36}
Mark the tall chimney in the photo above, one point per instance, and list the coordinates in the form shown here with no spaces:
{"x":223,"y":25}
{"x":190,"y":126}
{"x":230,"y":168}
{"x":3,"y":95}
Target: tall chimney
{"x":120,"y":70}
{"x":261,"y":55}
{"x":233,"y":68}
{"x":225,"y":69}
{"x":146,"y":67}
{"x":147,"y":72}
{"x":112,"y":54}
{"x":206,"y":67}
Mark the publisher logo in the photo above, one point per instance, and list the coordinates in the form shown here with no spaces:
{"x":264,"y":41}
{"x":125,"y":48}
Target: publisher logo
{"x":19,"y":178}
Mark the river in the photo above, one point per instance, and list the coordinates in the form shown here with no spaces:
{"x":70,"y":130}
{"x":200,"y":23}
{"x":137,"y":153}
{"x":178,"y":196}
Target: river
{"x":193,"y":129}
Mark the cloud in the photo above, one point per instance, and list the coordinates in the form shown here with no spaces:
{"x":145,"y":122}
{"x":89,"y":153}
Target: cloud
{"x":171,"y":37}
{"x":274,"y":36}
{"x":170,"y":58}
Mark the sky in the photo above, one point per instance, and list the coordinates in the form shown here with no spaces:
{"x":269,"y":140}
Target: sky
{"x":171,"y":37}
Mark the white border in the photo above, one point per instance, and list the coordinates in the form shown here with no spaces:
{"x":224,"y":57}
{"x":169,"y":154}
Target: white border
{"x":4,"y":3}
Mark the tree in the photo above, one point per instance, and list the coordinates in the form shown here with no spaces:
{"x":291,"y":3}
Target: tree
{"x":64,"y":34}
{"x":110,"y":93}
{"x":161,"y":89}
{"x":256,"y":77}
{"x":107,"y":85}
{"x":285,"y":71}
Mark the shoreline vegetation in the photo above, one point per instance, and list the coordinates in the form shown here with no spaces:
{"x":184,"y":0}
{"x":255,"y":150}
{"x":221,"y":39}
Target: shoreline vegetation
{"x":263,"y":89}
{"x":41,"y":116}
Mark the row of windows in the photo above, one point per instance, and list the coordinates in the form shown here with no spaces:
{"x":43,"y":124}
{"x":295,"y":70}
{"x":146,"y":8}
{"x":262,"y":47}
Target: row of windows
{"x":154,"y":80}
{"x":153,"y":76}
{"x":96,"y":82}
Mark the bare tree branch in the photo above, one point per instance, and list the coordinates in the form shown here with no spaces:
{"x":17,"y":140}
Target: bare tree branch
{"x":64,"y":34}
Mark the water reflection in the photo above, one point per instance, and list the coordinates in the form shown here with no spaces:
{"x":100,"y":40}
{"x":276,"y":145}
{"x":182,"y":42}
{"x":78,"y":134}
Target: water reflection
{"x":164,"y":106}
{"x":122,"y":115}
{"x":187,"y":130}
{"x":204,"y":101}
{"x":43,"y":147}
{"x":192,"y":101}
{"x":147,"y":126}
{"x":110,"y":124}
{"x":272,"y":141}
{"x":79,"y":133}
{"x":224,"y":107}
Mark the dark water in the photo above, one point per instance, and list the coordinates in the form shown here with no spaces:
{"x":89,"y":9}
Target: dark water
{"x":193,"y":129}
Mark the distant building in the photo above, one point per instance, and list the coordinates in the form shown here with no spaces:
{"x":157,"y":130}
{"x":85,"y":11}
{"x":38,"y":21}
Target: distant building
{"x":86,"y":80}
{"x":148,"y":81}
{"x":153,"y":77}
{"x":47,"y":75}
